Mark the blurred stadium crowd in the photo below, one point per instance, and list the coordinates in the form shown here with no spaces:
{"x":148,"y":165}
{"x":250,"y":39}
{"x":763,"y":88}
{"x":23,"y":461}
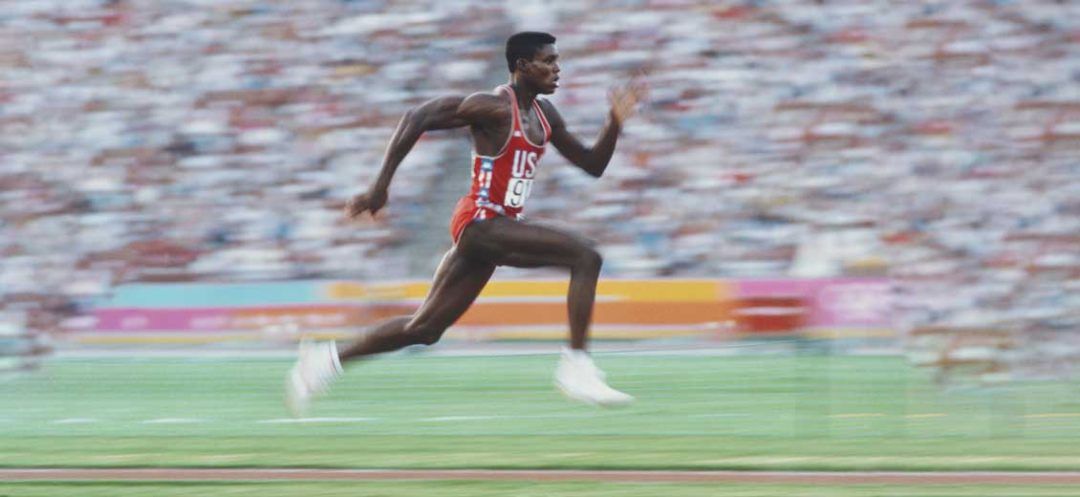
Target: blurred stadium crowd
{"x":936,"y":142}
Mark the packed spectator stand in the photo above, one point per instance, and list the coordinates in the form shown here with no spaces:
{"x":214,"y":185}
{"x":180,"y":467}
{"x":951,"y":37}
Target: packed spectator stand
{"x":936,"y":142}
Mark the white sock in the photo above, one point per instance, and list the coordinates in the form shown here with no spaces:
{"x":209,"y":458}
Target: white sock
{"x":575,"y":354}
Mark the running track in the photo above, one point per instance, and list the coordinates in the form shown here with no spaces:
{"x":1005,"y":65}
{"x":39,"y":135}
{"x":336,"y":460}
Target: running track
{"x":775,"y":477}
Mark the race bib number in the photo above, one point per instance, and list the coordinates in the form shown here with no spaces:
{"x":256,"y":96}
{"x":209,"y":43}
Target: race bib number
{"x":517,"y":192}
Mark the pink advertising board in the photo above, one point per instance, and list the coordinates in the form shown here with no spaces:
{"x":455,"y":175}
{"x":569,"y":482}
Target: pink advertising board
{"x":831,"y":302}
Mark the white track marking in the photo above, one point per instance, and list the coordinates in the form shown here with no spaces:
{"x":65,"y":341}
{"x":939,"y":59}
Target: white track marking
{"x":489,"y":417}
{"x":483,"y":417}
{"x":314,"y":420}
{"x":73,"y":421}
{"x":458,"y":418}
{"x":173,"y":421}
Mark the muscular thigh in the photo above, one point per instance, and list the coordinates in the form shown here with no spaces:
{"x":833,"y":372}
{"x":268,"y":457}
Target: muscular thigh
{"x":503,"y":241}
{"x":458,"y":281}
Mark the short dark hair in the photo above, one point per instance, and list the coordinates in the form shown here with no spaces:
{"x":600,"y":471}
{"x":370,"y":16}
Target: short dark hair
{"x":524,"y":45}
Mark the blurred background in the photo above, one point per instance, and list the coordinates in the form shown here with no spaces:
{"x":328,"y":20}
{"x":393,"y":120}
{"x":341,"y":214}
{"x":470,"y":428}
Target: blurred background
{"x":808,"y":177}
{"x":932,"y":144}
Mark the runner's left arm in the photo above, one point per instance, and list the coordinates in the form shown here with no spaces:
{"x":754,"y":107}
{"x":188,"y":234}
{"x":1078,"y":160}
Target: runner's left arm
{"x":594,"y":160}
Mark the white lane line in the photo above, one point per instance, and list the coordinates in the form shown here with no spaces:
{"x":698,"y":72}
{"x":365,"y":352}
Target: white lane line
{"x":490,"y":417}
{"x":314,"y":420}
{"x":458,"y":418}
{"x":73,"y":421}
{"x":443,"y":419}
{"x":173,"y":421}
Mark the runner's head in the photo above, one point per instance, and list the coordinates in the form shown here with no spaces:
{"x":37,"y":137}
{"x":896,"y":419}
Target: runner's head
{"x":533,"y":60}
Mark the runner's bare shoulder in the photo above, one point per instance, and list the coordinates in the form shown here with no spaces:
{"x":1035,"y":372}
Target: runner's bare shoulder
{"x":486,"y":108}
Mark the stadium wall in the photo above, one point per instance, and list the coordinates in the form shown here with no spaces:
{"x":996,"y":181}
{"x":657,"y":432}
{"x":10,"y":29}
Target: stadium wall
{"x":507,"y":309}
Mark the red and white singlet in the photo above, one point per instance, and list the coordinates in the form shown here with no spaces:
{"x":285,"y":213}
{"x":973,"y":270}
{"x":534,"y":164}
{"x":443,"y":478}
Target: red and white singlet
{"x":501,"y":184}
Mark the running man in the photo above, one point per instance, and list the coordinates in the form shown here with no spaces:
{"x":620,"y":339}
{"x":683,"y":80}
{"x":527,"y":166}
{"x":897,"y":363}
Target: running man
{"x":510,"y":129}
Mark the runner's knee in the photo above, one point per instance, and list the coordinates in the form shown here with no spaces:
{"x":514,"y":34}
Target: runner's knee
{"x":423,"y":332}
{"x":589,"y":260}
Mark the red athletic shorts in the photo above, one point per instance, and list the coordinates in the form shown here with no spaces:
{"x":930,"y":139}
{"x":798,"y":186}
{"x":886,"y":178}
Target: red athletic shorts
{"x":465,"y":213}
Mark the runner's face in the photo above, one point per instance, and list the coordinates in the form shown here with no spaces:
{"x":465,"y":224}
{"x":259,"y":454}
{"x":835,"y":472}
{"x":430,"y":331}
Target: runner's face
{"x":543,"y":69}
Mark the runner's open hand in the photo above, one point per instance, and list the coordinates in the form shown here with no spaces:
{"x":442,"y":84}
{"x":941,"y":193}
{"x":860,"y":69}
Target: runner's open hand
{"x":369,"y":201}
{"x":624,"y":99}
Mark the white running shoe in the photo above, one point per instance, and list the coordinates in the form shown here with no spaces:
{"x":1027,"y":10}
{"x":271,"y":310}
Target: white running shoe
{"x":316,"y":368}
{"x":579,"y":379}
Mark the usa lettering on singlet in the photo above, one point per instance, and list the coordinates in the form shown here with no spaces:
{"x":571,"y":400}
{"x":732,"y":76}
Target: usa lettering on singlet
{"x":502,"y":183}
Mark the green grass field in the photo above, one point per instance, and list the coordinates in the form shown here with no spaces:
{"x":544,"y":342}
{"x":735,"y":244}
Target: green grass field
{"x":506,"y":489}
{"x":831,"y":413}
{"x":414,"y":411}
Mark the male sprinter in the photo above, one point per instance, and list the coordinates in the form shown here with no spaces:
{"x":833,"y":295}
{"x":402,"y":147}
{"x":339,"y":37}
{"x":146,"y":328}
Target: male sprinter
{"x":510,"y":128}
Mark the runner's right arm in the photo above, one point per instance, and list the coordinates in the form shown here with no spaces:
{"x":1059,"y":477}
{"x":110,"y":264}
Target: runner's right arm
{"x":440,"y":113}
